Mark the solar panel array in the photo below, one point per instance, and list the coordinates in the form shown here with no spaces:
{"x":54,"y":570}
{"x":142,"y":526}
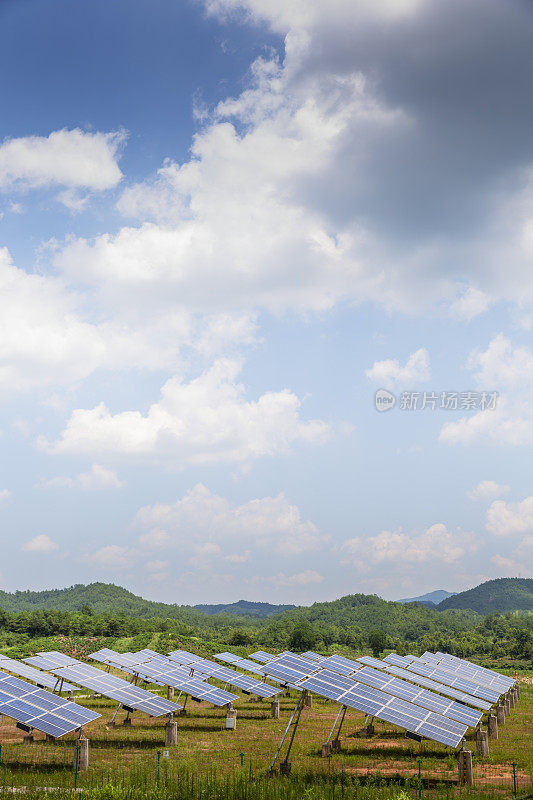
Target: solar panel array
{"x":152,"y":666}
{"x":370,"y":700}
{"x":401,"y":688}
{"x":130,"y":696}
{"x":36,"y":708}
{"x":241,"y":663}
{"x":428,"y":683}
{"x":233,"y":678}
{"x":35,"y":675}
{"x":417,"y":666}
{"x":482,"y":675}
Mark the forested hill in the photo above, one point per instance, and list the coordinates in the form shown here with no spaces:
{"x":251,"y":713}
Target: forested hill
{"x":499,"y":595}
{"x":101,"y":598}
{"x":245,"y":608}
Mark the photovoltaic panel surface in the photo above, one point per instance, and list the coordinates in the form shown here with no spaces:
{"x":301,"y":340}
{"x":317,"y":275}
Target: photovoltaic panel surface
{"x":229,"y":676}
{"x":262,"y":656}
{"x":418,"y":667}
{"x":487,"y":677}
{"x":152,"y":666}
{"x":105,"y":684}
{"x":370,"y":676}
{"x":35,"y":675}
{"x":241,"y":663}
{"x":427,"y":683}
{"x":367,"y":699}
{"x":39,"y":709}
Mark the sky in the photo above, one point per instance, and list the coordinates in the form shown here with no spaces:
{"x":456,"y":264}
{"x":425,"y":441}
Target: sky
{"x":266,"y":284}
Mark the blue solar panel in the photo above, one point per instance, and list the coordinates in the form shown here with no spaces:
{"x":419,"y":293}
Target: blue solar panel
{"x":38,"y":709}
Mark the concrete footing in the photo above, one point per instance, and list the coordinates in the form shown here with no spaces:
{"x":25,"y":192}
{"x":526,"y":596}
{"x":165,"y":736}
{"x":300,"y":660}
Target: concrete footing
{"x":466,"y":776}
{"x":482,"y":743}
{"x":308,"y":699}
{"x":512,"y":699}
{"x":336,"y":746}
{"x":83,"y":758}
{"x":507,"y":707}
{"x":274,"y":709}
{"x":492,"y":725}
{"x":325,"y":750}
{"x":171,"y":733}
{"x":170,"y":693}
{"x":500,"y":714}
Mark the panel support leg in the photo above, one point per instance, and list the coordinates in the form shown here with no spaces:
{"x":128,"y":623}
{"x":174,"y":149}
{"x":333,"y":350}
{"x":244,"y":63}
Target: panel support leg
{"x":285,"y":766}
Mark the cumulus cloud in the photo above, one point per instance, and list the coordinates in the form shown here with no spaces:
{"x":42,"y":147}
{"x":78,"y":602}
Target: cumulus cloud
{"x":98,"y":477}
{"x":505,"y":519}
{"x":40,"y":544}
{"x":71,"y":158}
{"x":508,"y":370}
{"x":390,"y":373}
{"x":207,"y":420}
{"x":435,"y":544}
{"x":208,"y":524}
{"x":112,"y":556}
{"x":487,"y":490}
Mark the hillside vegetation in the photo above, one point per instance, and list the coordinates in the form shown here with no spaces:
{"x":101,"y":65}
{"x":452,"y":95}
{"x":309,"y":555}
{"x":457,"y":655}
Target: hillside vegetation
{"x":497,"y":596}
{"x":245,"y":608}
{"x":106,"y":614}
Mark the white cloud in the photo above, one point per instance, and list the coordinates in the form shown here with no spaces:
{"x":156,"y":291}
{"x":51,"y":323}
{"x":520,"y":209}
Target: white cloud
{"x":5,"y":494}
{"x":470,"y":304}
{"x":40,"y":544}
{"x":75,"y":159}
{"x":435,"y":544}
{"x":507,"y":370}
{"x":207,"y":420}
{"x":305,"y":578}
{"x":206,"y":523}
{"x":505,"y":519}
{"x":487,"y":490}
{"x":98,"y":477}
{"x":390,"y":373}
{"x":518,"y":562}
{"x":112,"y":556}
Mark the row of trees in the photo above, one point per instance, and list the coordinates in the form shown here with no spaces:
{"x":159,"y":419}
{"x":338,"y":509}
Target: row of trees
{"x":414,"y":629}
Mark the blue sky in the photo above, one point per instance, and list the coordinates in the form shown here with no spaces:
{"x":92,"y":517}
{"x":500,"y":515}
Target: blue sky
{"x":225,"y":224}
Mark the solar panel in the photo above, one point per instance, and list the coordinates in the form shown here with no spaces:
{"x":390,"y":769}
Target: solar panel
{"x":161,"y":669}
{"x":103,"y":683}
{"x":233,"y":678}
{"x":428,"y":683}
{"x":36,"y":708}
{"x":369,"y":700}
{"x":261,"y":656}
{"x":400,"y":688}
{"x":35,"y":675}
{"x":241,"y":663}
{"x":447,"y":678}
{"x":482,"y":675}
{"x":313,"y":656}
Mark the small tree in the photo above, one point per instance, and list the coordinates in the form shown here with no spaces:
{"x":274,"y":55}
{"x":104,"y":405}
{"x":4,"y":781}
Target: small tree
{"x":303,"y":637}
{"x":377,"y":641}
{"x":241,"y":637}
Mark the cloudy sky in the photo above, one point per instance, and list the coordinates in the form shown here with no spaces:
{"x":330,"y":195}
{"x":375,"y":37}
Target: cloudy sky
{"x":225,"y":225}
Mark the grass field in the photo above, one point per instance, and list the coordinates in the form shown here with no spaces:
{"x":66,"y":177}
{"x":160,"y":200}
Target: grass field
{"x":210,"y":761}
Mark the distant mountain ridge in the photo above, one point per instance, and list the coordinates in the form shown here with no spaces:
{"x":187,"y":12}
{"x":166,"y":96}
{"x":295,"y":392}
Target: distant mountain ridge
{"x":245,"y":608}
{"x":431,"y":598}
{"x":499,"y":595}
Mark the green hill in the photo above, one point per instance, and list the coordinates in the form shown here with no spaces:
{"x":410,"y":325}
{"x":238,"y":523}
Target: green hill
{"x":431,"y":598}
{"x":103,"y":598}
{"x":499,"y":595}
{"x":245,"y":608}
